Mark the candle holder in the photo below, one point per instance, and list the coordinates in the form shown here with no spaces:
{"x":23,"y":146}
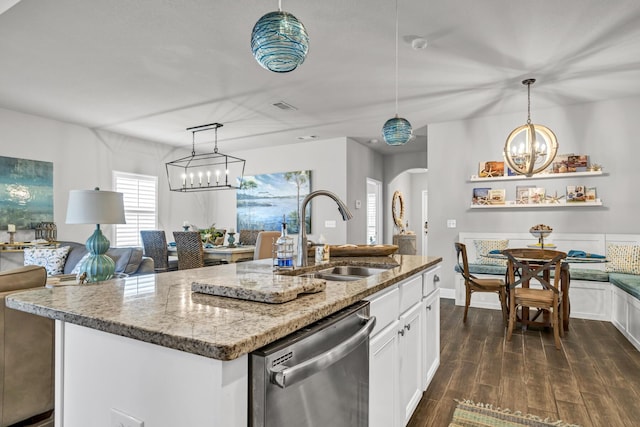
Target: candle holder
{"x":231,"y":240}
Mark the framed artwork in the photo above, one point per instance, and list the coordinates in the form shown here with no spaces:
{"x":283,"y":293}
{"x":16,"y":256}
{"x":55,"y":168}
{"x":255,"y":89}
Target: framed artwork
{"x":497,"y":196}
{"x":491,"y":169}
{"x":263,"y":200}
{"x":561,"y":163}
{"x":576,"y":193}
{"x":480,"y":196}
{"x":26,"y":192}
{"x":536,"y":195}
{"x":522,"y":194}
{"x":591,"y":194}
{"x":577,"y":163}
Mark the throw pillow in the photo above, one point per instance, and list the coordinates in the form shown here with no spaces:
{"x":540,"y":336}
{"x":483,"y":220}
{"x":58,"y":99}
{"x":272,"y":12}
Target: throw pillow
{"x":623,"y":259}
{"x":52,"y":259}
{"x":76,"y":269}
{"x":483,"y":247}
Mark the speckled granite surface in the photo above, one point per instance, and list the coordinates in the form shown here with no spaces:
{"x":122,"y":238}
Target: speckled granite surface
{"x":162,"y":309}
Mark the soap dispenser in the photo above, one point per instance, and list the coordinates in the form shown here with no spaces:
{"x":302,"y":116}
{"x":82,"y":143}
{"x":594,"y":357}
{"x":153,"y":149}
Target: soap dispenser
{"x":284,"y":249}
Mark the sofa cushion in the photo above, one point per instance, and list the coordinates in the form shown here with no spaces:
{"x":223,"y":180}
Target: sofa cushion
{"x":127,"y":259}
{"x":497,"y":270}
{"x":630,"y":283}
{"x":76,"y":252}
{"x":484,"y":247}
{"x":588,"y":274}
{"x":52,"y":259}
{"x":623,"y":258}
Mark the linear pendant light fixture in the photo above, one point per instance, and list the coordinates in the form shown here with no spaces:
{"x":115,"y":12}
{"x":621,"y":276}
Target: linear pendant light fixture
{"x":397,"y":130}
{"x":530,"y":148}
{"x":205,"y":172}
{"x":279,"y":42}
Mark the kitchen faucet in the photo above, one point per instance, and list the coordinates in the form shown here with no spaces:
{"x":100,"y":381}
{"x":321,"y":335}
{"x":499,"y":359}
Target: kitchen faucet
{"x":303,"y":260}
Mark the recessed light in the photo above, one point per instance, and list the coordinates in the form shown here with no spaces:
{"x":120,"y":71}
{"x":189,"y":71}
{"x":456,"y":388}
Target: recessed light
{"x":373,"y":141}
{"x":284,"y":106}
{"x":307,"y":137}
{"x":419,"y":43}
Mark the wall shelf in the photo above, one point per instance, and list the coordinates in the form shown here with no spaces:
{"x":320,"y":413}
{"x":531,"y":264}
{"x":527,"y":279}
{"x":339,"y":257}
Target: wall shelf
{"x":511,"y":204}
{"x":476,"y":178}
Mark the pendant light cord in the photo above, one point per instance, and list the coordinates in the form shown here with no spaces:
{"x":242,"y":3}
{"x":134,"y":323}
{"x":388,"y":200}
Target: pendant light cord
{"x":193,"y":143}
{"x":279,"y":5}
{"x":529,"y":103}
{"x":396,"y":58}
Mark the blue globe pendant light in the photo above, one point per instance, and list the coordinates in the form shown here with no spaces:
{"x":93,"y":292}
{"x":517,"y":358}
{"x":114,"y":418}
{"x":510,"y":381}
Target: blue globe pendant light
{"x":397,"y":131}
{"x":279,"y":42}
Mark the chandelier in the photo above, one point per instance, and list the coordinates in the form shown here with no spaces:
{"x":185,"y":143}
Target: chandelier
{"x":530,"y":148}
{"x":397,"y":130}
{"x":204,"y":172}
{"x":279,"y":42}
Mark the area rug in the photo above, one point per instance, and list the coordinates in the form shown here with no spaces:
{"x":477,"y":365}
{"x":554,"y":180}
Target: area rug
{"x":471,"y":414}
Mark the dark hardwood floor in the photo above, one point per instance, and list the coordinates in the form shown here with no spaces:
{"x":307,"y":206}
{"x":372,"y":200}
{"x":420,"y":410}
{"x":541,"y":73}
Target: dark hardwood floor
{"x":593,"y":381}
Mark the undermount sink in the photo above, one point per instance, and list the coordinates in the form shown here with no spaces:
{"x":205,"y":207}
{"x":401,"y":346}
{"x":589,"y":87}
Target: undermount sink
{"x":345,"y":273}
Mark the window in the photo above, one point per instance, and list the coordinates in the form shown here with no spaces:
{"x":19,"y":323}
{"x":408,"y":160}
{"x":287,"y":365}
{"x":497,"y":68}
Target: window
{"x":140,"y":204}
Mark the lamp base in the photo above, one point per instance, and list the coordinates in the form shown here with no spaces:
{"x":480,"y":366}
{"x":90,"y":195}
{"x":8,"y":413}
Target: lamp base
{"x":98,"y":266}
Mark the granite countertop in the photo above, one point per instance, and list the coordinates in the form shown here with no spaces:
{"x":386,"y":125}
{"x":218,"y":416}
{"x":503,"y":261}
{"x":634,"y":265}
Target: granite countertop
{"x":161,"y":308}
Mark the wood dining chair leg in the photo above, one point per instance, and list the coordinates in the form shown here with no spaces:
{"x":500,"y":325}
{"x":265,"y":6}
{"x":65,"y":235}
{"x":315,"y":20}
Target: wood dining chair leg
{"x":466,"y":305}
{"x":561,"y":319}
{"x":503,"y":304}
{"x":555,"y":325}
{"x":512,"y":321}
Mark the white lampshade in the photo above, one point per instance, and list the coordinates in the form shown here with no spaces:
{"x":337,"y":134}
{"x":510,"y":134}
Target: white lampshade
{"x":95,"y":207}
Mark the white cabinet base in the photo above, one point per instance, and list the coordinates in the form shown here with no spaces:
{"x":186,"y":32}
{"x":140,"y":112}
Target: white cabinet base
{"x":97,"y":371}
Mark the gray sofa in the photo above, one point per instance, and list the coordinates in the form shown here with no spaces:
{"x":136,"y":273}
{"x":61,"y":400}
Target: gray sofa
{"x":128,"y":260}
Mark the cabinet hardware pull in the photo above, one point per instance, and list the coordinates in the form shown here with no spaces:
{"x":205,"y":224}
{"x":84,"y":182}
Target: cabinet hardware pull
{"x":436,"y":278}
{"x":401,"y":332}
{"x":407,"y":327}
{"x":429,"y":307}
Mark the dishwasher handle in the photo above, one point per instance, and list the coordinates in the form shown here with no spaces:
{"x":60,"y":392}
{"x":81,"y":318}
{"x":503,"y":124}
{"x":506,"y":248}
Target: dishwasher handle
{"x":284,"y":376}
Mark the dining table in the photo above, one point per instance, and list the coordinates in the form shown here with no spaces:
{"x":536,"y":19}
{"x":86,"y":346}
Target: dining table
{"x":223,"y":253}
{"x":565,"y":279}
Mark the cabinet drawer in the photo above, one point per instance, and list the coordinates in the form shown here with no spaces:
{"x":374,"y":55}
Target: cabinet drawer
{"x":384,"y":305}
{"x":430,"y":280}
{"x":410,"y":292}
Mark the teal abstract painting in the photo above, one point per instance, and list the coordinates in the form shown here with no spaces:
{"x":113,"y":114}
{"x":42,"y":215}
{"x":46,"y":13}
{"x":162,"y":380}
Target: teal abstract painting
{"x":26,"y":192}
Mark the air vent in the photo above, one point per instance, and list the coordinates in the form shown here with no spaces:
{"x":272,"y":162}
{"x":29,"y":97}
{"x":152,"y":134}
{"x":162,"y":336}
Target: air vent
{"x":284,"y":106}
{"x":280,"y":360}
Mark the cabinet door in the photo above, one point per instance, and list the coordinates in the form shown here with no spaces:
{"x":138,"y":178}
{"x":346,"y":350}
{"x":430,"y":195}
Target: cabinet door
{"x":383,"y":377}
{"x":410,"y":361}
{"x":431,"y":337}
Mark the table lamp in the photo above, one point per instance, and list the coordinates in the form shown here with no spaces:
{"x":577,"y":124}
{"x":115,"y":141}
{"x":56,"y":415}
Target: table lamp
{"x":96,"y":207}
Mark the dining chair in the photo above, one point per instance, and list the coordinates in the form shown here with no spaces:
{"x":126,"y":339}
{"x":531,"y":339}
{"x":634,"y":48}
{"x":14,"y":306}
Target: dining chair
{"x":155,"y":247}
{"x":264,"y":244}
{"x":536,"y":265}
{"x":189,"y":248}
{"x":473,"y":284}
{"x":248,"y":237}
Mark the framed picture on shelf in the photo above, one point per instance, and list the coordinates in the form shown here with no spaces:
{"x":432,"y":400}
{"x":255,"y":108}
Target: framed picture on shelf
{"x":480,"y":196}
{"x":491,"y":169}
{"x":522,"y":194}
{"x":536,"y":195}
{"x":590,"y":194}
{"x":497,"y":197}
{"x":561,"y":163}
{"x":576,"y":193}
{"x":577,"y":163}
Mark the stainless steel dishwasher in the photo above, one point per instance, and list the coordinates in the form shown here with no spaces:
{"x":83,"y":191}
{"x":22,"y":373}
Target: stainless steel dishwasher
{"x":317,"y":376}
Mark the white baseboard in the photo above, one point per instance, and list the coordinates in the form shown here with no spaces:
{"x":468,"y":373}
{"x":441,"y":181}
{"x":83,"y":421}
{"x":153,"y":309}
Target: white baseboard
{"x":447,"y":293}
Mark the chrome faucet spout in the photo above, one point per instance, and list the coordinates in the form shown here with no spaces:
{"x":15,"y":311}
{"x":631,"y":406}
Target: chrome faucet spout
{"x":346,"y":214}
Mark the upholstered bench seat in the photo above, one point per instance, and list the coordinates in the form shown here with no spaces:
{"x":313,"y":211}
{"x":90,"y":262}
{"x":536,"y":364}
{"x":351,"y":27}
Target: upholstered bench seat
{"x":630,"y":283}
{"x":588,"y":274}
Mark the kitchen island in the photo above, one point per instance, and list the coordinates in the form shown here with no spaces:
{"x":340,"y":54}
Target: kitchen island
{"x":149,"y":347}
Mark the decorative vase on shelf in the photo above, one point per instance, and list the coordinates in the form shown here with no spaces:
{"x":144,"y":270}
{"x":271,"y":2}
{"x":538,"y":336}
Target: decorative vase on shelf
{"x":231,"y":240}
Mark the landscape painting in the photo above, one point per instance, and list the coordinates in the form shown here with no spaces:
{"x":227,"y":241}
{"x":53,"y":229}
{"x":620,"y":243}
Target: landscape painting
{"x":263,"y":200}
{"x":26,"y":192}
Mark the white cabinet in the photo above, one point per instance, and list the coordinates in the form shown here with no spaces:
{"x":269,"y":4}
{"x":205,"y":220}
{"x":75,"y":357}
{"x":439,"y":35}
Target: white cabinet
{"x":399,"y":345}
{"x":431,"y":334}
{"x":410,"y":360}
{"x":383,"y":381}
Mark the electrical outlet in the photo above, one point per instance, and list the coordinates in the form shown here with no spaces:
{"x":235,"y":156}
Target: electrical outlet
{"x":358,"y":204}
{"x":120,"y":419}
{"x":451,"y":223}
{"x":330,"y":224}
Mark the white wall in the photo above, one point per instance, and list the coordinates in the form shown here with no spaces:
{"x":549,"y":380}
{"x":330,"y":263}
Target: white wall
{"x":362,"y":163}
{"x":83,"y":159}
{"x":606,"y":131}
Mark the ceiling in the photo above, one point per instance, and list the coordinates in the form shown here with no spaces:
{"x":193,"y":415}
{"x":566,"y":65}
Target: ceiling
{"x":151,"y":68}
